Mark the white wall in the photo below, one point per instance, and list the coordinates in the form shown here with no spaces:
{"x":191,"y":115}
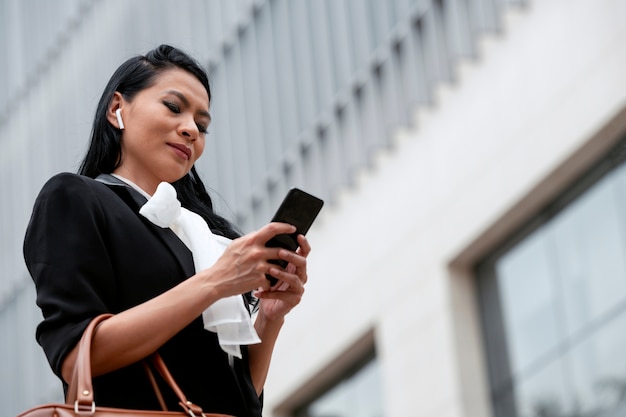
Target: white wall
{"x":516,"y":125}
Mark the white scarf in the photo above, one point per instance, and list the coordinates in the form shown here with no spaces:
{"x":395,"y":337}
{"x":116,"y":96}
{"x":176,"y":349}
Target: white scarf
{"x":228,"y":317}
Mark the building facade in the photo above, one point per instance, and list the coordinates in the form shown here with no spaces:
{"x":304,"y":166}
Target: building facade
{"x":470,"y":257}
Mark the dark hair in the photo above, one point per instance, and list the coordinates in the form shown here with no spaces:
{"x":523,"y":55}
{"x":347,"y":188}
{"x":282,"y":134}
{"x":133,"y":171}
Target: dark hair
{"x":104,"y":153}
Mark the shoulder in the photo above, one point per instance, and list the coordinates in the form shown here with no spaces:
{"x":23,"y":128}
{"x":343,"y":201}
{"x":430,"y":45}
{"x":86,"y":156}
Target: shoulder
{"x":77,"y":188}
{"x":66,"y":207}
{"x":67,"y":180}
{"x":71,"y":195}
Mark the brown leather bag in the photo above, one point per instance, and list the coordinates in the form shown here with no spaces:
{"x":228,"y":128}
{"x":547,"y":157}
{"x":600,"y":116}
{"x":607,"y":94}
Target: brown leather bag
{"x":79,"y":401}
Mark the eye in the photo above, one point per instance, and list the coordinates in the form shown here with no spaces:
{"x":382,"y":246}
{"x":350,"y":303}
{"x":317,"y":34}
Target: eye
{"x":173,"y":107}
{"x":202,"y":128}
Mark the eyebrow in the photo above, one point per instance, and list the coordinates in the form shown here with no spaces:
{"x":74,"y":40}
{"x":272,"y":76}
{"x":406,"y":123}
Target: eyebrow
{"x":182,"y":98}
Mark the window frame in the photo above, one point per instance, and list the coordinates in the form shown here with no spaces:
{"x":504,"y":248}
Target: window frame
{"x":492,"y":327}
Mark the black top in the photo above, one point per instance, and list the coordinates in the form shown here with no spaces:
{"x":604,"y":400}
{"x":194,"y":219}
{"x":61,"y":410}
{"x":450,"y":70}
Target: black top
{"x":90,"y":252}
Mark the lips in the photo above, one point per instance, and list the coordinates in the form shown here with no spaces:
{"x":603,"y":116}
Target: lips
{"x":182,"y":150}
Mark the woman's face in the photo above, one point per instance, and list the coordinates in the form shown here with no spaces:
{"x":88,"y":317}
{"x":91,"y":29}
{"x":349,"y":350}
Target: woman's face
{"x":164,"y":129}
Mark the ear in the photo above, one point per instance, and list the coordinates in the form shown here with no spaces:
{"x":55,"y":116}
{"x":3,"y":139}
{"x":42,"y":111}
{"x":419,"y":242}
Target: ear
{"x":117,"y":102}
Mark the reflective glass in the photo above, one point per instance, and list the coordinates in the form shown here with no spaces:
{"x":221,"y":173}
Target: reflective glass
{"x":544,"y":393}
{"x":528,"y":296}
{"x":556,"y":330}
{"x":358,"y":395}
{"x":599,"y":371}
{"x":589,"y":250}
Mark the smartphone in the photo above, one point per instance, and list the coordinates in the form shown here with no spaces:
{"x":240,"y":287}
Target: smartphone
{"x":299,"y":209}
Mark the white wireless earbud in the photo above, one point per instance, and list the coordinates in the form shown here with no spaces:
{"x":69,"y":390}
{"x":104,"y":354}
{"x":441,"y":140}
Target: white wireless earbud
{"x":120,"y":122}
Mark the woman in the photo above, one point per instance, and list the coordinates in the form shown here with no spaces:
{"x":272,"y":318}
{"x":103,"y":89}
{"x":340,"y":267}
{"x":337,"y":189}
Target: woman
{"x":90,"y":251}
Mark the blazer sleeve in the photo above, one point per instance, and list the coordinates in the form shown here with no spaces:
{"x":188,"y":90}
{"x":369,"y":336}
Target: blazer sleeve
{"x":66,"y":253}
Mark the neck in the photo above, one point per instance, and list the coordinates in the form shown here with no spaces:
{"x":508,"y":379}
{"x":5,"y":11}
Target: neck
{"x":134,"y":185}
{"x":145,"y":183}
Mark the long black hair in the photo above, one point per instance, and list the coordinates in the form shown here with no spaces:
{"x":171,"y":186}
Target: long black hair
{"x":104,"y":152}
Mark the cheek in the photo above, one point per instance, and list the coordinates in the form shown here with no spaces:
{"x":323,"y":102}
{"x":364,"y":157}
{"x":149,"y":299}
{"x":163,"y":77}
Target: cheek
{"x":199,"y":148}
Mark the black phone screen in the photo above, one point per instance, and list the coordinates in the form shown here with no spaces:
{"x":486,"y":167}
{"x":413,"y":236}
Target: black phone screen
{"x":300,"y":209}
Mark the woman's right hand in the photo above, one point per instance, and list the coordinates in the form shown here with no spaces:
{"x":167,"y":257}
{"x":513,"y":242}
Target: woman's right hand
{"x":137,"y":332}
{"x":245,"y":262}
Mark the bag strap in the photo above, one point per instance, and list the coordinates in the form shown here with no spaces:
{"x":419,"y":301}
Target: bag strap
{"x":80,"y":390}
{"x":154,"y":384}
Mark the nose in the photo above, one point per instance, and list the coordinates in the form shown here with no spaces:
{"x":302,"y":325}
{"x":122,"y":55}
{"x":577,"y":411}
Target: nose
{"x":189,"y":130}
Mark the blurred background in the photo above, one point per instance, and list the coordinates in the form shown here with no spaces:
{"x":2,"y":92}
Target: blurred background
{"x":471,"y":256}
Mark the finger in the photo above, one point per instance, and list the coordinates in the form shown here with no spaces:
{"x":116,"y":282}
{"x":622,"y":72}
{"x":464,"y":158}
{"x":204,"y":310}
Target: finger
{"x":272,"y":229}
{"x":250,"y":248}
{"x":294,"y":281}
{"x":290,"y":299}
{"x":289,"y":294}
{"x":305,"y":247}
{"x":297,"y":264}
{"x":280,"y":286}
{"x":266,"y":285}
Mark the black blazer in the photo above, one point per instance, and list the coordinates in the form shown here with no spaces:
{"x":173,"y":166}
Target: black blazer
{"x":89,"y":252}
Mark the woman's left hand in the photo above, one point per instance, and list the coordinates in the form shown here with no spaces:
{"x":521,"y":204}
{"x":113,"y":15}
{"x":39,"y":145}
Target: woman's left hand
{"x":276,"y":302}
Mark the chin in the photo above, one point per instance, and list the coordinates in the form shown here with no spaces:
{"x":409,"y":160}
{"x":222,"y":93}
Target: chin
{"x":173,"y":175}
{"x":174,"y":179}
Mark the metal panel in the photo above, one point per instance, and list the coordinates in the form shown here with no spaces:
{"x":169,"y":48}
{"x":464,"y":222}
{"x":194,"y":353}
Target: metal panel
{"x":332,"y":158}
{"x":380,"y":17}
{"x":408,"y":62}
{"x":350,"y":131}
{"x":312,"y":168}
{"x":287,"y":89}
{"x":342,"y":60}
{"x":436,"y":44}
{"x":387,"y":82}
{"x":254,"y":103}
{"x":484,"y":15}
{"x":459,"y":27}
{"x":367,"y":113}
{"x":223,"y":140}
{"x":362,"y":38}
{"x":240,"y":168}
{"x":269,"y":108}
{"x":304,"y":63}
{"x":320,"y":41}
{"x":215,"y":29}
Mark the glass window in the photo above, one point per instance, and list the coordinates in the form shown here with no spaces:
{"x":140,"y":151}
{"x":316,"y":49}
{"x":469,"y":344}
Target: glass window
{"x":589,"y":250}
{"x":356,"y":394}
{"x":553,"y":304}
{"x":598,"y":371}
{"x":528,"y":296}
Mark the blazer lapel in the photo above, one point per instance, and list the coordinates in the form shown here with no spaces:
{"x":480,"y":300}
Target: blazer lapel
{"x":135,"y":200}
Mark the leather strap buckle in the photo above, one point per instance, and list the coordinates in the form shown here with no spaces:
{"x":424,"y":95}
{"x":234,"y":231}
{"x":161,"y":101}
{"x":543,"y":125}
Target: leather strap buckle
{"x":93,"y":407}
